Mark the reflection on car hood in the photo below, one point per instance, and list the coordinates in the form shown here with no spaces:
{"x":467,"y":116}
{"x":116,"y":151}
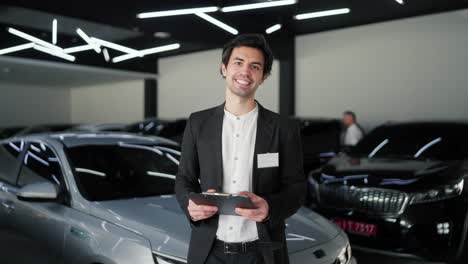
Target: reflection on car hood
{"x":306,"y":229}
{"x":380,"y":172}
{"x":159,"y":219}
{"x":163,"y":223}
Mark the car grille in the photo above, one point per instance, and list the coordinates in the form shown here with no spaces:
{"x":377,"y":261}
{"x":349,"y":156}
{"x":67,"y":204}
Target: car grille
{"x":370,"y":201}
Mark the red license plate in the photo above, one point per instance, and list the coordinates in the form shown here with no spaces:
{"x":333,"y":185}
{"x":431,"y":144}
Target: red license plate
{"x":356,"y":227}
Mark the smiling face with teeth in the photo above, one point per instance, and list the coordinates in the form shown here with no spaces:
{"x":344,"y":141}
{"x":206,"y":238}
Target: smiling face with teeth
{"x":244,"y":71}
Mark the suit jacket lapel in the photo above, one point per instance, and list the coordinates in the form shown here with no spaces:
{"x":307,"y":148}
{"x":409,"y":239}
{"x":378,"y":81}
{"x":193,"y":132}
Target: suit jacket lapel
{"x":262,"y":141}
{"x":216,"y":122}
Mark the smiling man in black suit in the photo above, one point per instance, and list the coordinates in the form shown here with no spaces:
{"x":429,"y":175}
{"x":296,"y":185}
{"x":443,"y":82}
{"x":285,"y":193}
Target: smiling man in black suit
{"x":241,"y":147}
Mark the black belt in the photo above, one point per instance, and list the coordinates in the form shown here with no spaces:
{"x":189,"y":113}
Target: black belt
{"x":236,"y":248}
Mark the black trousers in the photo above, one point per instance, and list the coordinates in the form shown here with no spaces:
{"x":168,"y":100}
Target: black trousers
{"x":217,"y":256}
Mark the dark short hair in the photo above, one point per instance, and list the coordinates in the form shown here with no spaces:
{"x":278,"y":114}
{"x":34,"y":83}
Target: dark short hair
{"x":351,"y":113}
{"x":250,"y":40}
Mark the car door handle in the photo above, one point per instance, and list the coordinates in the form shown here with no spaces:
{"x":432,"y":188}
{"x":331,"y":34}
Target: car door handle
{"x":9,"y":207}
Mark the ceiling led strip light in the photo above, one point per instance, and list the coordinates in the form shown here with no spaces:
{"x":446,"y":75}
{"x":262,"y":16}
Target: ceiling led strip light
{"x":218,"y":23}
{"x":201,"y":12}
{"x":146,"y":52}
{"x":323,"y":13}
{"x":92,"y":43}
{"x":17,"y":48}
{"x":178,"y":12}
{"x":257,"y":5}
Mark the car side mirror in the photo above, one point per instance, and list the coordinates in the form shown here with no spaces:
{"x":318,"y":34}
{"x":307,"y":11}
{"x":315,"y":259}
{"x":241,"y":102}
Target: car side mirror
{"x":44,"y":191}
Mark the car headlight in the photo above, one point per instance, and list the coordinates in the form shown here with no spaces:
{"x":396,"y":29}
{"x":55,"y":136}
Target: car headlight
{"x":160,"y":258}
{"x":344,"y":257}
{"x":437,"y":194}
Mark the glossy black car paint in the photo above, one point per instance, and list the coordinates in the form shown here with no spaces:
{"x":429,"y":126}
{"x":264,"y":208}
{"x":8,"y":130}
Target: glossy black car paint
{"x":320,"y":140}
{"x":395,"y":189}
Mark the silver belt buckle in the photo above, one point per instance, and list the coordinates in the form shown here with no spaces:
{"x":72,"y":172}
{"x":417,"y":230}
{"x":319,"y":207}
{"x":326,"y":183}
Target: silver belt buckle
{"x":244,"y":247}
{"x":227,"y":250}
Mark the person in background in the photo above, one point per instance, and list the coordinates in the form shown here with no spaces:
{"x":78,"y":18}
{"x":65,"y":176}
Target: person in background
{"x":352,"y":130}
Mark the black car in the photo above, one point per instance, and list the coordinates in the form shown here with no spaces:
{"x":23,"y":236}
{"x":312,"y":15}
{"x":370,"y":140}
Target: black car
{"x":7,"y":132}
{"x":172,"y":129}
{"x":320,"y":140}
{"x":402,"y":191}
{"x":43,"y":128}
{"x":95,"y":128}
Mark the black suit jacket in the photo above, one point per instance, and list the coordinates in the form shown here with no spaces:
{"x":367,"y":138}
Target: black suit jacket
{"x":283,"y":187}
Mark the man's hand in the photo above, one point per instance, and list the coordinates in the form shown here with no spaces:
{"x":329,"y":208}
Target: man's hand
{"x":260,"y":213}
{"x":200,"y":212}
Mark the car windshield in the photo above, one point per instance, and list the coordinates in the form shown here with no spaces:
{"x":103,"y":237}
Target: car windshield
{"x":415,"y":141}
{"x":123,"y":171}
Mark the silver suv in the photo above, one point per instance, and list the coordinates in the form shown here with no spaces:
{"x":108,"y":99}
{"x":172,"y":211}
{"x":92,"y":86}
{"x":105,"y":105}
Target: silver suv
{"x":108,"y":199}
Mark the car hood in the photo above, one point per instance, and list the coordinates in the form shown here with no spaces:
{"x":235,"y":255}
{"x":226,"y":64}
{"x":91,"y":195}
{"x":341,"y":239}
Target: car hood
{"x":163,"y":223}
{"x":392,"y":173}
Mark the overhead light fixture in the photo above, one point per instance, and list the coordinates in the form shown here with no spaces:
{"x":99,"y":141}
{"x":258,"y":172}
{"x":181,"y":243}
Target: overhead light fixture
{"x":162,"y":35}
{"x":218,"y":23}
{"x":146,"y":52}
{"x":78,"y":49}
{"x":257,"y":5}
{"x":322,"y":13}
{"x":401,"y":2}
{"x":114,"y":46}
{"x":54,"y":31}
{"x":16,"y":48}
{"x":54,"y":52}
{"x":106,"y":54}
{"x":88,"y":40}
{"x":34,"y":39}
{"x":92,"y":43}
{"x":178,"y":12}
{"x":273,"y":28}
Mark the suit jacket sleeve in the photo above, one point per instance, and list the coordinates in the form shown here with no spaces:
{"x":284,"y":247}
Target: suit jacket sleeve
{"x":285,"y":203}
{"x":188,"y":173}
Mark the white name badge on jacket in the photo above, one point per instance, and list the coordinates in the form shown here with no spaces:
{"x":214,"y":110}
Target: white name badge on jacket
{"x":267,"y":160}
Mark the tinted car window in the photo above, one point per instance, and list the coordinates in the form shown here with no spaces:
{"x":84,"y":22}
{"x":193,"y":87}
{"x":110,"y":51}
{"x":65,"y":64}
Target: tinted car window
{"x":9,"y":161}
{"x":108,"y":172}
{"x":320,"y":141}
{"x":416,"y":141}
{"x":40,"y":164}
{"x":320,"y":136}
{"x":164,"y":128}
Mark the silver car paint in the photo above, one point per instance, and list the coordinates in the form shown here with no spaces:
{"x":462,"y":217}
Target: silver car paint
{"x":129,"y":231}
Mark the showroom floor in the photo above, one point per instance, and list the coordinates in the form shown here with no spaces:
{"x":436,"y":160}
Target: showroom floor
{"x":370,"y":258}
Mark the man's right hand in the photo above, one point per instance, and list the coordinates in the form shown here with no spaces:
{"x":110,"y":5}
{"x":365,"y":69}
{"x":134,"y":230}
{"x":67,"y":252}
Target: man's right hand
{"x":200,"y":212}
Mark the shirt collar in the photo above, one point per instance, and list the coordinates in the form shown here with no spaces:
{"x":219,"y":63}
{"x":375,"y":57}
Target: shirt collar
{"x":245,"y":116}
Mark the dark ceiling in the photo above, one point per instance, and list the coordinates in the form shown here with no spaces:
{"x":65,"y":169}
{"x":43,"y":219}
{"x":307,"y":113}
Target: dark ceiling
{"x":116,"y":21}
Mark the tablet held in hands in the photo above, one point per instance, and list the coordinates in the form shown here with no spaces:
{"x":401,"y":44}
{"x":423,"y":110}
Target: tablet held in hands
{"x":226,"y":203}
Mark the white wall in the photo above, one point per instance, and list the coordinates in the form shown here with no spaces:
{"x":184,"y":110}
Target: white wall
{"x":192,"y":82}
{"x":414,"y":68}
{"x":22,"y":105}
{"x":119,"y":102}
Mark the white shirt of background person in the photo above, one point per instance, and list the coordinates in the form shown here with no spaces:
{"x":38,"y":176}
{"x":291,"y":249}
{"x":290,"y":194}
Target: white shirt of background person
{"x":353,"y":135}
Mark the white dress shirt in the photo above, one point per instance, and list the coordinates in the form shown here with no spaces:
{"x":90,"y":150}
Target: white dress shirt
{"x":353,"y":135}
{"x":238,"y":144}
